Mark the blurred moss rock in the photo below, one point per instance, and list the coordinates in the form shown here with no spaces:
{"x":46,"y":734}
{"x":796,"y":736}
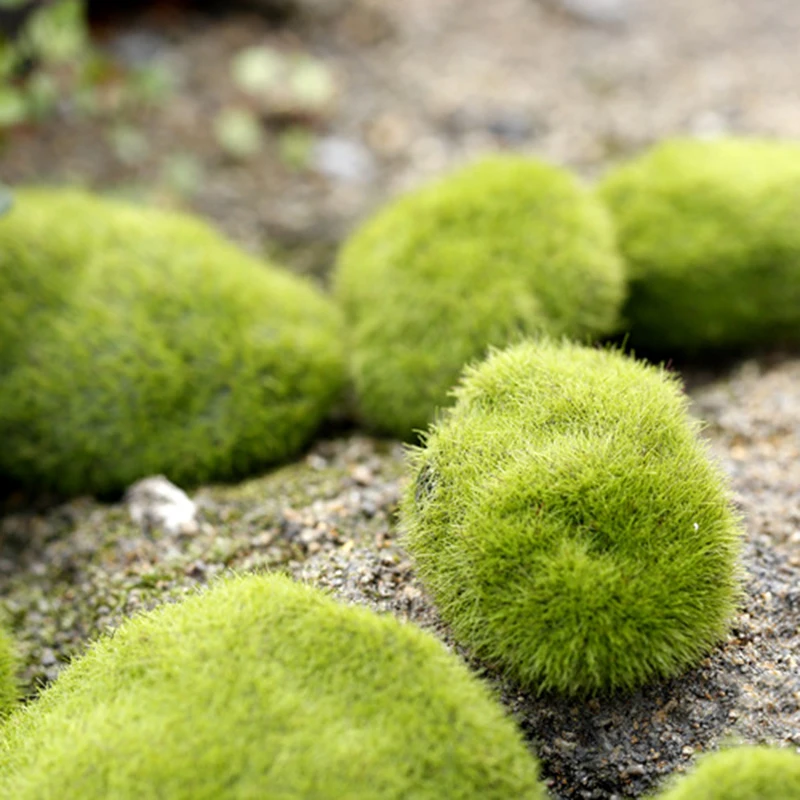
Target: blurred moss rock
{"x":504,"y":248}
{"x":136,"y":342}
{"x":709,"y":230}
{"x":261,"y":687}
{"x":740,"y":773}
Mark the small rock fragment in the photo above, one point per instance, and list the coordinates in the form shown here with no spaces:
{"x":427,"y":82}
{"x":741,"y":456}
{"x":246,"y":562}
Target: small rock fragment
{"x":596,"y":12}
{"x":156,"y":503}
{"x":344,"y":159}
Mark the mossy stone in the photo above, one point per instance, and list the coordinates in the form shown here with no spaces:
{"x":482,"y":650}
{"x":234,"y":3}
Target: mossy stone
{"x":506,"y":247}
{"x":261,"y":687}
{"x":741,"y":773}
{"x":569,"y":523}
{"x":710,"y":233}
{"x":142,"y":342}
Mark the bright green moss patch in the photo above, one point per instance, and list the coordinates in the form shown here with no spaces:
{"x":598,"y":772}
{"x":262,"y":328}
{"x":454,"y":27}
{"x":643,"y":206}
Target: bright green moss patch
{"x":505,"y":247}
{"x":741,"y":773}
{"x":9,"y":687}
{"x":569,"y":523}
{"x":144,"y":343}
{"x":711,"y":236}
{"x":265,"y":688}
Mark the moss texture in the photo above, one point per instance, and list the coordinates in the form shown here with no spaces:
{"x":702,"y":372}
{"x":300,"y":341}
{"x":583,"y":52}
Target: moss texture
{"x":569,"y":523}
{"x":709,"y":230}
{"x":141,"y":342}
{"x":506,"y":247}
{"x":741,"y":773}
{"x":265,"y":688}
{"x":9,"y":687}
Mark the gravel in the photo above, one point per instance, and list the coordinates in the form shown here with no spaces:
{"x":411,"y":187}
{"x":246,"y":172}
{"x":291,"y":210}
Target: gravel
{"x":747,"y":690}
{"x":74,"y":572}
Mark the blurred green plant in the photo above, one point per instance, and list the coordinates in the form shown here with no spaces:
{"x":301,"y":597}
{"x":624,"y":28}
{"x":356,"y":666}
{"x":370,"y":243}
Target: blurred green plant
{"x":239,"y":134}
{"x":48,"y":61}
{"x":42,"y":45}
{"x":285,"y":85}
{"x":296,"y":147}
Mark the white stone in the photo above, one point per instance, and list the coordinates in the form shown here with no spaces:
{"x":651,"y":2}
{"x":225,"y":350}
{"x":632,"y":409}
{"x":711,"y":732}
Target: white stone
{"x":599,"y":12}
{"x":154,"y":502}
{"x":344,"y":159}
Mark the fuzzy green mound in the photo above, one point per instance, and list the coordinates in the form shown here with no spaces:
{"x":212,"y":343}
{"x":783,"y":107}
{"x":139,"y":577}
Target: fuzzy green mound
{"x":504,"y":248}
{"x":711,"y":236}
{"x":265,"y":688}
{"x":9,"y":690}
{"x":569,"y":523}
{"x":741,"y":773}
{"x":135,"y":342}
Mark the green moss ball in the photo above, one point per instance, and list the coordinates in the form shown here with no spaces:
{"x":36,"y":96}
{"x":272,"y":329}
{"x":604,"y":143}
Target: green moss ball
{"x":265,"y":688}
{"x":9,"y":688}
{"x":136,"y":342}
{"x":569,"y":523}
{"x":741,"y":773}
{"x":506,"y":247}
{"x":710,"y":233}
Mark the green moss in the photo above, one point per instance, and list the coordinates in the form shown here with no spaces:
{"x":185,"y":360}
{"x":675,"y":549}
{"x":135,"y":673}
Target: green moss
{"x":710,"y":233}
{"x":148,"y":344}
{"x":265,"y":688}
{"x":9,"y":686}
{"x":505,"y":247}
{"x":741,"y":773}
{"x":569,"y":523}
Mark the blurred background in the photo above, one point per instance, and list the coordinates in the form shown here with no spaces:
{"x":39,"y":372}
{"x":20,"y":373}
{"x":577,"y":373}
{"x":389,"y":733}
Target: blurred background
{"x":286,"y":121}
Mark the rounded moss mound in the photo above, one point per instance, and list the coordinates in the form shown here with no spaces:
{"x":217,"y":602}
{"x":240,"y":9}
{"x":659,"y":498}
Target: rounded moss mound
{"x":741,"y":773}
{"x":711,"y":236}
{"x":569,"y":523}
{"x":265,"y":688}
{"x":136,"y":342}
{"x":9,"y":690}
{"x":504,"y":248}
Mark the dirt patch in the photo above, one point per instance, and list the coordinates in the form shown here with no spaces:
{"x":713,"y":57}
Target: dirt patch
{"x":420,"y":87}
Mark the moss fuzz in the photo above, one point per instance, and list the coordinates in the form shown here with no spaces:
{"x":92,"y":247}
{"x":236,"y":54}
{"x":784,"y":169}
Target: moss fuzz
{"x":9,"y":687}
{"x":505,"y":247}
{"x":141,"y":342}
{"x":265,"y":688}
{"x":570,"y":524}
{"x":741,"y":773}
{"x":711,"y":236}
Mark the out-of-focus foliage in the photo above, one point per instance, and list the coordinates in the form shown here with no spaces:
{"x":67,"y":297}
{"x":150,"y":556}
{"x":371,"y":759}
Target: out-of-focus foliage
{"x":43,"y":47}
{"x":49,"y":65}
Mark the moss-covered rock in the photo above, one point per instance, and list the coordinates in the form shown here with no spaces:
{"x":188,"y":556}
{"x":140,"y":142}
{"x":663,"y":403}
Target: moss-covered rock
{"x":138,"y":342}
{"x":265,"y":688}
{"x":506,"y":247}
{"x":741,"y":773}
{"x":569,"y":523}
{"x":9,"y":686}
{"x":711,"y":236}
